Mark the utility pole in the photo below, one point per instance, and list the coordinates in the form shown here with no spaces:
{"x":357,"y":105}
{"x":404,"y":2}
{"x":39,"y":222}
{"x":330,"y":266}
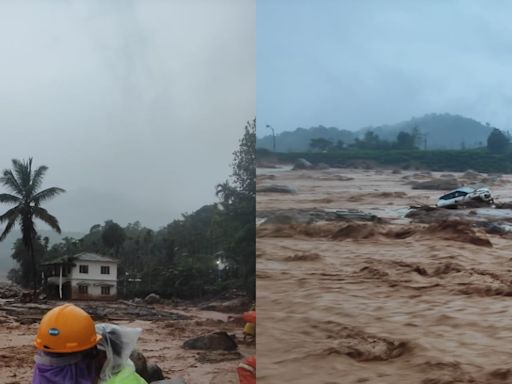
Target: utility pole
{"x":273,"y":138}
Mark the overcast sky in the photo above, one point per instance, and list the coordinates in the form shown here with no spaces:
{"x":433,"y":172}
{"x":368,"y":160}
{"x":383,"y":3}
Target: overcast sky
{"x":351,"y":64}
{"x":135,"y":106}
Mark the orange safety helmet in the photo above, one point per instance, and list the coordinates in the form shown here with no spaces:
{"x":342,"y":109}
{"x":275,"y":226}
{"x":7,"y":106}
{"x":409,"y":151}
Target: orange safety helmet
{"x":65,"y":329}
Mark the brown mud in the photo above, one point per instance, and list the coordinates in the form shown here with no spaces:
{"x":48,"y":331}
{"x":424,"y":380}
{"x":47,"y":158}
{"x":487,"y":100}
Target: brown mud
{"x":164,"y":329}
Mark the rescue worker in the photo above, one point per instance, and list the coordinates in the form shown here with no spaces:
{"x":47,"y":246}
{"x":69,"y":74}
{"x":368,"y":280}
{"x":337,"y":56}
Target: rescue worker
{"x":116,"y":345}
{"x":250,"y":325}
{"x":71,"y":351}
{"x":66,"y":342}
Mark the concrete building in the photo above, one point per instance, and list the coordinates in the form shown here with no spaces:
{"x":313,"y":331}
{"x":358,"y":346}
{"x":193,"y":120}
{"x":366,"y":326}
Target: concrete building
{"x":85,"y":276}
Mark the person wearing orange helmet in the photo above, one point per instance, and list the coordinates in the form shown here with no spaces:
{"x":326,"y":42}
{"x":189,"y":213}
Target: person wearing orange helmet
{"x":66,"y":342}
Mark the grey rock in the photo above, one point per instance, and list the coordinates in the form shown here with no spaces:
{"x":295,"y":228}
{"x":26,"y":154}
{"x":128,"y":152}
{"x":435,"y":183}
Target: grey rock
{"x":213,"y":341}
{"x":152,"y":298}
{"x":154,"y":373}
{"x":302,"y":164}
{"x":141,"y":365}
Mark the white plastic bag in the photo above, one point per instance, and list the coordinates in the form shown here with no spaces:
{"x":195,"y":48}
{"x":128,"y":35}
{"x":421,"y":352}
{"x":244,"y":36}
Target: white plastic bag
{"x":118,"y":342}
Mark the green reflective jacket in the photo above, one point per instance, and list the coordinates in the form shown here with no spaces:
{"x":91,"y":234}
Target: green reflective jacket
{"x":126,"y":376}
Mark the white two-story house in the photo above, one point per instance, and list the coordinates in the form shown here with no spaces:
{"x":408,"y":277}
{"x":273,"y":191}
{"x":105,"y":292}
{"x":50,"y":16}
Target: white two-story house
{"x":83,"y":276}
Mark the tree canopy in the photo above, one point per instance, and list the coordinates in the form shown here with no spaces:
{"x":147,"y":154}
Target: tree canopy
{"x":498,"y":142}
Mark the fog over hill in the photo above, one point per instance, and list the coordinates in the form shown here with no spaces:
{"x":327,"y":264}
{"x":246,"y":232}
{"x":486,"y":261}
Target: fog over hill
{"x":443,"y":131}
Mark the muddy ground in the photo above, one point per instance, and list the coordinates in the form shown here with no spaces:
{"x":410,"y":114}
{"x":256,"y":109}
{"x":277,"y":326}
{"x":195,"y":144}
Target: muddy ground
{"x":164,"y":329}
{"x":397,"y":300}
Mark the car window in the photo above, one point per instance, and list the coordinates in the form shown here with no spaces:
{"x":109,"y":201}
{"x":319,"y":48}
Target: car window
{"x":448,"y":196}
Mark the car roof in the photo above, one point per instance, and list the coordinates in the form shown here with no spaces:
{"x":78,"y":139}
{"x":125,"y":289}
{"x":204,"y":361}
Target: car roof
{"x":463,"y":189}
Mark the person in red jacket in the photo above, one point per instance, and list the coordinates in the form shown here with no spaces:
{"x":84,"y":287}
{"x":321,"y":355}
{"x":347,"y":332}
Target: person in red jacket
{"x":247,"y":371}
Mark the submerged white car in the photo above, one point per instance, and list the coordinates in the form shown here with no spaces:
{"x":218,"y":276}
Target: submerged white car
{"x":463,"y":195}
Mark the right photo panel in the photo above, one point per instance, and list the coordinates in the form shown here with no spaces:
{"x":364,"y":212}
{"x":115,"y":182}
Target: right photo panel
{"x":384,"y":195}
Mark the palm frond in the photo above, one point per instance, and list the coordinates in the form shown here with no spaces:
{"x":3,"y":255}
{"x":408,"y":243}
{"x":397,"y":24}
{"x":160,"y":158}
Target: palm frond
{"x":48,"y":218}
{"x":9,"y":180}
{"x":12,"y":213}
{"x":8,"y":198}
{"x":23,"y":171}
{"x":8,"y":227}
{"x":47,"y":194}
{"x":37,"y":178}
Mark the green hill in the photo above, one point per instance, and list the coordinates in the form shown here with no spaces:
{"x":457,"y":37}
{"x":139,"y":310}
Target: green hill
{"x":442,"y":131}
{"x":298,"y":140}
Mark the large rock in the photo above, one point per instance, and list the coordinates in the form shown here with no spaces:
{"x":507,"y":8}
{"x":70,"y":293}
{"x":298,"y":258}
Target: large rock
{"x":141,"y":365}
{"x":152,"y":298}
{"x":212,"y":342}
{"x":302,"y":164}
{"x":154,"y":373}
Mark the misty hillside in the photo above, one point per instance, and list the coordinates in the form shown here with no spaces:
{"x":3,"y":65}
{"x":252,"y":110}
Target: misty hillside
{"x":6,"y":262}
{"x":443,"y":131}
{"x":298,"y":140}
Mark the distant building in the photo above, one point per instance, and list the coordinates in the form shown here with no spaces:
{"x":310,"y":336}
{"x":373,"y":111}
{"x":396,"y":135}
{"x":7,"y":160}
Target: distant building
{"x":85,"y":276}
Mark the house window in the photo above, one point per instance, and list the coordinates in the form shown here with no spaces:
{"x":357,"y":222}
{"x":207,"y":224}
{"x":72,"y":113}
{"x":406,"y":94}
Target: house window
{"x":105,"y":270}
{"x":84,"y":269}
{"x":105,"y":290}
{"x":82,"y":289}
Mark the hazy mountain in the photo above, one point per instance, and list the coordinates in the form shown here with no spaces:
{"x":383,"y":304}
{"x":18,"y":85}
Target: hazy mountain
{"x":442,"y":131}
{"x":299,"y":139}
{"x":6,"y":262}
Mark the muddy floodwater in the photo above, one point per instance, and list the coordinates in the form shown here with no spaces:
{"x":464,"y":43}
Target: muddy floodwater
{"x":384,"y":301}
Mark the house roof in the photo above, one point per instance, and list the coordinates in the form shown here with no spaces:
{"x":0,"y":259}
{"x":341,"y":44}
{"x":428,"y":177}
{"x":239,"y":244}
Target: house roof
{"x":83,"y":256}
{"x":87,"y":256}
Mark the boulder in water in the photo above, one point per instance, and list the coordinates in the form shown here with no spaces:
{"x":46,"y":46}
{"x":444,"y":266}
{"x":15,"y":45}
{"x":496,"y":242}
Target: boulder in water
{"x":213,"y":341}
{"x":152,"y":298}
{"x":302,"y":164}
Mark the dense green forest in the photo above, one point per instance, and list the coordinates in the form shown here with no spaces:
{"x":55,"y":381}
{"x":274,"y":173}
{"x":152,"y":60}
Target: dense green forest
{"x":203,"y":253}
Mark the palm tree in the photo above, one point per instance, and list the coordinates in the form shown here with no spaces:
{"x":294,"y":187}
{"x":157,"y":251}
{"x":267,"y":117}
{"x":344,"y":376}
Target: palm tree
{"x":26,"y":196}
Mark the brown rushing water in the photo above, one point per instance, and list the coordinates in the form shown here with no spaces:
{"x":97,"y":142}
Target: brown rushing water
{"x":429,"y":308}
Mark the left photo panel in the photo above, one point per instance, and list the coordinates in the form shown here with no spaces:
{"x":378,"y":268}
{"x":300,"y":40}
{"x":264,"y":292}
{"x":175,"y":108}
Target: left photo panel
{"x":127,"y":192}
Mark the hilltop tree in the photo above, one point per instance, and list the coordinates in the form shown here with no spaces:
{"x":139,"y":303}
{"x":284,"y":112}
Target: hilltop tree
{"x":405,"y":140}
{"x":26,"y":196}
{"x":244,"y":161}
{"x":497,"y":141}
{"x":371,"y":141}
{"x":113,"y":236}
{"x":321,"y":144}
